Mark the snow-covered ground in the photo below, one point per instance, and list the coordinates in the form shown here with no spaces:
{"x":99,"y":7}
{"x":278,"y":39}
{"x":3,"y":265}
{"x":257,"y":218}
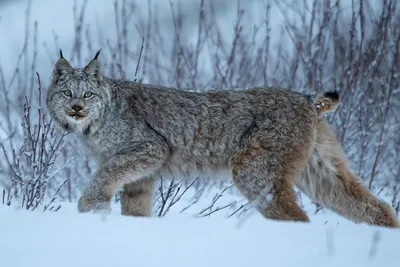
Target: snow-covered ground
{"x":67,"y":238}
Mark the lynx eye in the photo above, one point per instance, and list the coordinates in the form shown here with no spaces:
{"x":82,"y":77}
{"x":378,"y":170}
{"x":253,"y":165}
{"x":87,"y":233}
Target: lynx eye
{"x":67,"y":93}
{"x":87,"y":94}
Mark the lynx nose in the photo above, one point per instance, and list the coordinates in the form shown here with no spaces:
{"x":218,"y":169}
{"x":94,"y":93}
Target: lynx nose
{"x":77,"y":107}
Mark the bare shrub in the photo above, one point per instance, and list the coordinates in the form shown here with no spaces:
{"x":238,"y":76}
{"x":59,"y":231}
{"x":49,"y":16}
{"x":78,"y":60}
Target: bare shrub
{"x":358,"y":55}
{"x":31,"y":167}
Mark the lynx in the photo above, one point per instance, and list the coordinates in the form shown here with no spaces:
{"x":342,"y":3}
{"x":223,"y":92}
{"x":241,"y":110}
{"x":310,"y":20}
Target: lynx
{"x":267,"y":139}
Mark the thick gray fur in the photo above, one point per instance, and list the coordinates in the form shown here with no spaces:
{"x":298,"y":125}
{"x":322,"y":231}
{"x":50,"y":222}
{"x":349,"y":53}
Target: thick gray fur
{"x":264,"y":138}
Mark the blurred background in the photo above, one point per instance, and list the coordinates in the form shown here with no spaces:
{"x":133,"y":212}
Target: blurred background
{"x":307,"y":46}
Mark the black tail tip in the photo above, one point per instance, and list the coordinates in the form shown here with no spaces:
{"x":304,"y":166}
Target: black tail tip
{"x":97,"y":54}
{"x":334,"y":95}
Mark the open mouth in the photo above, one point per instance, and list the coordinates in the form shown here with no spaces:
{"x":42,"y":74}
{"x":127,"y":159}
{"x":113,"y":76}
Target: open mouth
{"x":76,"y":115}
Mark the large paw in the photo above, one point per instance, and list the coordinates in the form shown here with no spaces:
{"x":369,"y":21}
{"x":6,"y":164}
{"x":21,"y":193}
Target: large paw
{"x":87,"y":204}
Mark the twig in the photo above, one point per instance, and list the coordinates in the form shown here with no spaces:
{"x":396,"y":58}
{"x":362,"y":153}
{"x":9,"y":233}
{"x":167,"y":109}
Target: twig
{"x":140,"y":56}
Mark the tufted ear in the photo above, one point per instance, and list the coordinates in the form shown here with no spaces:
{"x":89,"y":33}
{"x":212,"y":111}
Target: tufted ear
{"x":93,"y":69}
{"x":61,"y":68}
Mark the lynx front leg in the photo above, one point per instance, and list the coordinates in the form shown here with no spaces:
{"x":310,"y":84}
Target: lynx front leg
{"x":130,"y":166}
{"x":137,"y":198}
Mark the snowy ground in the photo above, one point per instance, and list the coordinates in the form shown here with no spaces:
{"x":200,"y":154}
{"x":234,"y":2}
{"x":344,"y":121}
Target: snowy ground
{"x":67,"y":238}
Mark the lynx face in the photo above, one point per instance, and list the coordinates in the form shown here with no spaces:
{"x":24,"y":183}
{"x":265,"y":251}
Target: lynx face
{"x":75,"y":99}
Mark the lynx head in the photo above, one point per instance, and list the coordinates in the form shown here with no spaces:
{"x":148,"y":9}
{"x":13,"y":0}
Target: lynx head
{"x":77,"y":98}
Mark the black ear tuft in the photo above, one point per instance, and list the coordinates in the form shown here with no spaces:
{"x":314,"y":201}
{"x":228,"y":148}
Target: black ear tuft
{"x":97,"y":54}
{"x":61,"y":55}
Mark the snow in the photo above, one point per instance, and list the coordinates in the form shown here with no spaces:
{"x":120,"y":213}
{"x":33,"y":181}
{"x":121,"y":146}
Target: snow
{"x":67,"y":238}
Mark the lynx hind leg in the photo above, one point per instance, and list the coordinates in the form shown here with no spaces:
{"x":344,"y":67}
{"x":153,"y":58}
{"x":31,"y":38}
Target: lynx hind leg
{"x":137,"y":198}
{"x":327,"y":180}
{"x":266,"y":180}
